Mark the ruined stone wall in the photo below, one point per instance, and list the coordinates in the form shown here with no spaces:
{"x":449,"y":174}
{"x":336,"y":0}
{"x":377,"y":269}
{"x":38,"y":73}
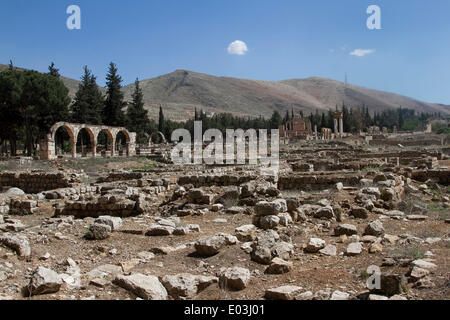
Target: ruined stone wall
{"x":442,"y":176}
{"x":34,"y":182}
{"x":215,"y":180}
{"x":316,"y":182}
{"x":406,"y":143}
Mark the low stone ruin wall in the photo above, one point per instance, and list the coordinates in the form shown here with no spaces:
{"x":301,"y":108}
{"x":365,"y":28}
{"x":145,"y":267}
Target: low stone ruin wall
{"x":31,"y":182}
{"x":406,"y":143}
{"x":121,"y":176}
{"x":71,"y":193}
{"x":215,"y":180}
{"x":316,"y":182}
{"x":442,"y":176}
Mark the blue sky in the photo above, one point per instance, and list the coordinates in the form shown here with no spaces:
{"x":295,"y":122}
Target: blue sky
{"x":285,"y":39}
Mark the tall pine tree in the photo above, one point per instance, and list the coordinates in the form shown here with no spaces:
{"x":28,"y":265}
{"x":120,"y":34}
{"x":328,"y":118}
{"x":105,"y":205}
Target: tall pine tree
{"x":161,"y":125}
{"x":112,"y":112}
{"x":89,"y":102}
{"x":53,"y":71}
{"x":137,"y":116}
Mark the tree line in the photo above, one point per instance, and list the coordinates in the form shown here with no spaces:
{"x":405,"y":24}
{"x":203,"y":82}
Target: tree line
{"x":31,"y":102}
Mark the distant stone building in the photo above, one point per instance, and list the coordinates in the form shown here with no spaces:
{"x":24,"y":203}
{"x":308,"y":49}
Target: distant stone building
{"x":296,"y":128}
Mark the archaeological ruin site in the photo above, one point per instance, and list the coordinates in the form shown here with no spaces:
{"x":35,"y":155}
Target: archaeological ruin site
{"x":224,"y":159}
{"x":347,"y":216}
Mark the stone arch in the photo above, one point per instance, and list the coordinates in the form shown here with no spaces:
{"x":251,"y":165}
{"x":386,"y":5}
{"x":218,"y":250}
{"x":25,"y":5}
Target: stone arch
{"x":48,"y":145}
{"x":92,"y":139}
{"x":71,"y":131}
{"x":126,"y":134}
{"x":110,"y":141}
{"x":163,"y":138}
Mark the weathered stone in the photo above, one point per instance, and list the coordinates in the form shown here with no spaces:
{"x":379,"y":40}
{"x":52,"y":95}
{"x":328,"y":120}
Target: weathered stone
{"x":143,"y":286}
{"x":279,"y":266}
{"x":424,"y":264}
{"x":292,"y":204}
{"x":246,"y":233}
{"x":19,"y":244}
{"x":269,"y":222}
{"x":114,"y":222}
{"x":418,"y":273}
{"x":186,"y":285}
{"x":235,"y":278}
{"x":43,"y":281}
{"x":359,"y":212}
{"x":285,"y":219}
{"x":354,"y":249}
{"x":15,"y":192}
{"x":211,"y":245}
{"x":216,"y":207}
{"x":282,"y":250}
{"x":345,"y":229}
{"x":99,"y":231}
{"x":329,"y":250}
{"x":282,"y":293}
{"x":339,"y":295}
{"x":261,"y":254}
{"x":375,"y":228}
{"x":387,"y":194}
{"x":195,"y":194}
{"x":159,"y":230}
{"x":324,"y":213}
{"x":264,"y":208}
{"x":314,"y":245}
{"x":105,"y":270}
{"x":375,"y":248}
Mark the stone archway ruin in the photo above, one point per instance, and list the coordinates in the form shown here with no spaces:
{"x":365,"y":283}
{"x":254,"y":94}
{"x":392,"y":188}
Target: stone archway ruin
{"x":164,"y":141}
{"x":47,"y":146}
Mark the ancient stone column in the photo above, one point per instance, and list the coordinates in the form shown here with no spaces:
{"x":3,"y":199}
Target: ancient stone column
{"x":341,"y":125}
{"x":336,"y":130}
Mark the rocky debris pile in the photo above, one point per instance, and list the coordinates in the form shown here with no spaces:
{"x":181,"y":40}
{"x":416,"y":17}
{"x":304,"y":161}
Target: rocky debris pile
{"x":169,"y":226}
{"x":268,"y":245}
{"x":123,"y":202}
{"x":75,"y":193}
{"x":268,"y":215}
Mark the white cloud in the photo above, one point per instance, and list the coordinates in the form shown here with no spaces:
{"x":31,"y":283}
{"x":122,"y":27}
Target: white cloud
{"x":238,"y":47}
{"x":361,"y":52}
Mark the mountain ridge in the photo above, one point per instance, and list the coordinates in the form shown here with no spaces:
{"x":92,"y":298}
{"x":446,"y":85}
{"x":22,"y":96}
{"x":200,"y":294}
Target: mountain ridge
{"x":181,"y":91}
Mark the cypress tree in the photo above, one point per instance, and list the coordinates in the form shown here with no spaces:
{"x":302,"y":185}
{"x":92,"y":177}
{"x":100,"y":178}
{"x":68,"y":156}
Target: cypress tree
{"x":112,"y":112}
{"x":161,"y":120}
{"x":137,"y":116}
{"x":88,"y":100}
